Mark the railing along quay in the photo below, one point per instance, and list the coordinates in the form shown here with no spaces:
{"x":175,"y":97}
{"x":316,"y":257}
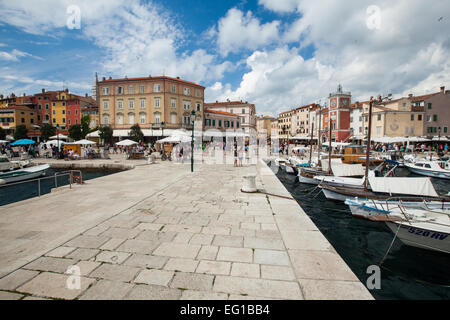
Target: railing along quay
{"x":78,"y":179}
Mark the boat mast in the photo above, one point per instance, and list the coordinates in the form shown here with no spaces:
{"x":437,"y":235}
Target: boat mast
{"x":319,"y":138}
{"x":368,"y":143}
{"x":311,"y":146}
{"x":329,"y":145}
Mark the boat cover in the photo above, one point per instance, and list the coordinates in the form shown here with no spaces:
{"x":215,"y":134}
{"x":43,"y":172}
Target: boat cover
{"x":325,"y":162}
{"x":402,"y":185}
{"x":347,"y":170}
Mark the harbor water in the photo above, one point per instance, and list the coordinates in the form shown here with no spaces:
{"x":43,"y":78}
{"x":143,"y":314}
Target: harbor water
{"x":29,"y":189}
{"x":406,"y":273}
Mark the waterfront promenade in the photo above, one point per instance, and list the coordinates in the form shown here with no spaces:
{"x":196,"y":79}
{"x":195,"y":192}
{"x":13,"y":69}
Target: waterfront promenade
{"x":161,"y":232}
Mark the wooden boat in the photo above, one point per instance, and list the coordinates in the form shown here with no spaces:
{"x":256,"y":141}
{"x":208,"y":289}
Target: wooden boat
{"x":355,"y":154}
{"x":384,"y":188}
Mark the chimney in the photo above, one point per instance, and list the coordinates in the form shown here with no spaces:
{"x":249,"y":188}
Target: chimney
{"x":24,"y":95}
{"x":1,"y":96}
{"x":67,"y":90}
{"x":110,"y":78}
{"x":442,"y":89}
{"x":43,"y":90}
{"x":103,"y":78}
{"x":410,"y":95}
{"x":86,"y":95}
{"x":178,"y":77}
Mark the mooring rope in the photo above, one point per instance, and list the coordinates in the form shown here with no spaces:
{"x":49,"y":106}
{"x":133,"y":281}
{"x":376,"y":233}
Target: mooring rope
{"x":389,"y":249}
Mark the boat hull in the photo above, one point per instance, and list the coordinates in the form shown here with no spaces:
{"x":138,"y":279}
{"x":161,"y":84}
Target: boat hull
{"x":24,"y":174}
{"x":429,"y":173}
{"x":421,"y":237}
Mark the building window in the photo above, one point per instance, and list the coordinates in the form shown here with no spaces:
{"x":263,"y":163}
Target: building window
{"x":419,"y":117}
{"x":156,"y":87}
{"x":131,"y":104}
{"x":214,"y":123}
{"x":105,"y":119}
{"x":173,"y":103}
{"x":434,"y":117}
{"x":105,"y":105}
{"x":197,"y":93}
{"x":173,"y":118}
{"x":54,"y":112}
{"x":130,"y":90}
{"x":68,"y":121}
{"x":105,"y":91}
{"x":119,"y":104}
{"x":430,"y":105}
{"x":174,"y":88}
{"x":187,"y":91}
{"x":142,"y":118}
{"x":379,"y":117}
{"x":220,"y":123}
{"x":142,"y":89}
{"x":232,"y":124}
{"x":64,"y":120}
{"x":157,"y":100}
{"x":404,"y":104}
{"x":237,"y":124}
{"x":40,"y":107}
{"x":119,"y":118}
{"x":157,"y":117}
{"x":412,"y":117}
{"x":351,"y":119}
{"x":428,"y":118}
{"x":142,"y":101}
{"x":63,"y":111}
{"x":186,"y":105}
{"x":54,"y":120}
{"x":131,"y":118}
{"x":198,"y":107}
{"x":445,"y":129}
{"x":119,"y":90}
{"x":243,"y":111}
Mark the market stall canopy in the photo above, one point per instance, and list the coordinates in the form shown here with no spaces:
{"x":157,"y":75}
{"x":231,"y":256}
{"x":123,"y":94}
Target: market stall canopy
{"x":302,"y":138}
{"x":441,"y":138}
{"x":93,"y":134}
{"x":10,"y":138}
{"x":126,"y":143}
{"x":83,"y":142}
{"x":22,"y":142}
{"x":4,"y":141}
{"x":54,"y":143}
{"x":60,"y":136}
{"x":175,"y":139}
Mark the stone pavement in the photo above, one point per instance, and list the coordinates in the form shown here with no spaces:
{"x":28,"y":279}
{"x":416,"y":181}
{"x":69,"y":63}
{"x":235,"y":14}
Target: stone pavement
{"x":160,"y":232}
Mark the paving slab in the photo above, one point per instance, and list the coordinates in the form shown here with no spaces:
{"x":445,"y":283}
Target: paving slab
{"x":146,"y":261}
{"x":10,"y":295}
{"x":334,"y":290}
{"x":177,"y":250}
{"x":214,"y":267}
{"x":235,"y":254}
{"x":16,"y":279}
{"x":248,"y":270}
{"x":257,"y":287}
{"x":58,"y":265}
{"x":180,"y":264}
{"x":202,"y":295}
{"x":107,"y":290}
{"x":115,"y":272}
{"x":152,"y":292}
{"x":193,"y":281}
{"x":52,"y":285}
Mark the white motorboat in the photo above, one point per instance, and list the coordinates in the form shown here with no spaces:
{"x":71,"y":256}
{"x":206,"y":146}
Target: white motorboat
{"x":341,"y":181}
{"x":23,"y":174}
{"x":426,"y":229}
{"x":372,"y":208}
{"x":8,"y":165}
{"x":284,"y":165}
{"x":435,"y":169}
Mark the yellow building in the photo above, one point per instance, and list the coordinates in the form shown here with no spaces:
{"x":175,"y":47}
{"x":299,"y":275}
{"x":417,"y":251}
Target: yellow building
{"x":394,"y":118}
{"x":149,"y":102}
{"x":285,"y":125}
{"x":13,"y":116}
{"x":264,"y":125}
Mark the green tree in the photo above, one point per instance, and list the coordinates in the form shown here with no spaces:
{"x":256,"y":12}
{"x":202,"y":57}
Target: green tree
{"x":47,"y":130}
{"x":21,"y":132}
{"x":75,"y":132}
{"x":85,"y":121}
{"x":106,"y":134}
{"x":2,"y":134}
{"x":136,"y":133}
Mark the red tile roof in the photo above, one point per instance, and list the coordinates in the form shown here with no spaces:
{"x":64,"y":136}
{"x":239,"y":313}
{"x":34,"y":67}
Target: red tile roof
{"x":210,"y":104}
{"x":424,"y":97}
{"x":221,"y":112}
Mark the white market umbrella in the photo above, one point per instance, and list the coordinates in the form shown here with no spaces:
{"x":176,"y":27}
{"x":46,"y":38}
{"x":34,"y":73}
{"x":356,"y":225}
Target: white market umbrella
{"x":54,"y":143}
{"x":84,"y":142}
{"x":126,"y":142}
{"x":175,"y":139}
{"x":3,"y":141}
{"x":59,"y":136}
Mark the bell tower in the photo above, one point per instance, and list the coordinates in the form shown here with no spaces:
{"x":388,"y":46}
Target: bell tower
{"x":339,"y":113}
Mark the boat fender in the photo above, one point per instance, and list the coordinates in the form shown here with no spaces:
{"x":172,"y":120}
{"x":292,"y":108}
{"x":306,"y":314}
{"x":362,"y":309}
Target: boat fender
{"x":2,"y":181}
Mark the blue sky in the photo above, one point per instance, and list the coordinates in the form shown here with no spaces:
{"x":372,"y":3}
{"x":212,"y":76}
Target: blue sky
{"x":274,"y":53}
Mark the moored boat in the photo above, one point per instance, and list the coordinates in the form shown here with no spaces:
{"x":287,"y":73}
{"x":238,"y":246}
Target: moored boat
{"x":23,"y":174}
{"x":435,"y":169}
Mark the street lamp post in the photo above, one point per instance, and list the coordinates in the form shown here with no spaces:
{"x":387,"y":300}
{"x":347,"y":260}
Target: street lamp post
{"x":439,"y":141}
{"x":57,"y":140}
{"x":192,"y":141}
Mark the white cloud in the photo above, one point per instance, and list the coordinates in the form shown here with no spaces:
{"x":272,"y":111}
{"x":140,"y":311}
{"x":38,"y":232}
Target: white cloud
{"x":237,"y":31}
{"x":15,"y":55}
{"x":410,"y":52}
{"x":137,"y":38}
